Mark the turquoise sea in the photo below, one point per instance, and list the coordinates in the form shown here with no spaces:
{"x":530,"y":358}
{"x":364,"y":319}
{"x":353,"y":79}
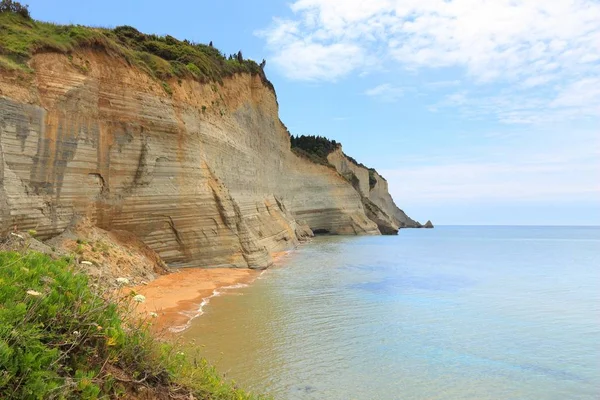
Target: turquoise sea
{"x":450,"y":313}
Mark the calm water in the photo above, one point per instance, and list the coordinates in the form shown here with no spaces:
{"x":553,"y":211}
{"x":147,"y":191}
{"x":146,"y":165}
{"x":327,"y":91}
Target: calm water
{"x":450,"y":313}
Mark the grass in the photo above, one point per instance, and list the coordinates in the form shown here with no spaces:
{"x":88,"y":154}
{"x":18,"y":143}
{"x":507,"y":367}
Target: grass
{"x":163,"y":57}
{"x":60,"y":340}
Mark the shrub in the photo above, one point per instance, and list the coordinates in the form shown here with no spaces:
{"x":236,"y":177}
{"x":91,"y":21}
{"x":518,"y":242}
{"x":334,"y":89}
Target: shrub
{"x":52,"y":327}
{"x":167,"y":88}
{"x":194,"y":69}
{"x":10,"y":6}
{"x":318,"y":147}
{"x":60,"y":340}
{"x":163,"y":57}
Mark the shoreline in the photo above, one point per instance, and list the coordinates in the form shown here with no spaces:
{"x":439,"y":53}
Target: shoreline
{"x":180,"y":297}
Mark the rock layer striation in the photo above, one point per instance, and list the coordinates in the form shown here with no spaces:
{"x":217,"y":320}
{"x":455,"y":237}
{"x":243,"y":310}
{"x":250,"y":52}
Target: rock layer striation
{"x":378,"y":203}
{"x":202,"y":173}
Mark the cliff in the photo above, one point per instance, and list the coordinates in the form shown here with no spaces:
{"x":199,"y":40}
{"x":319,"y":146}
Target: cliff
{"x":197,"y":167}
{"x":379,"y":205}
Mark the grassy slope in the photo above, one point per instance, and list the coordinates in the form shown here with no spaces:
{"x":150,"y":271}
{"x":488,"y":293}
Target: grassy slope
{"x":60,"y":340}
{"x":163,"y":57}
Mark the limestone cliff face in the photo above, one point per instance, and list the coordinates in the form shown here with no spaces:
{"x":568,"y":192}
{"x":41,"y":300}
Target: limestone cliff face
{"x":378,"y":203}
{"x":380,"y":195}
{"x":204,"y":176}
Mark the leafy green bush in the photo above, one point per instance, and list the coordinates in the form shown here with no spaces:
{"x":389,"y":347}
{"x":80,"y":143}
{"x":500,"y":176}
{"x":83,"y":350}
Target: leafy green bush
{"x":194,"y":69}
{"x":9,"y":6}
{"x":316,"y":147}
{"x":311,"y":157}
{"x":60,"y":340}
{"x":161,"y":56}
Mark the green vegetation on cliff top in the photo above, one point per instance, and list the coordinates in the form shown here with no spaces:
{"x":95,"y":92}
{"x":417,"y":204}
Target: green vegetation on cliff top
{"x":163,"y":57}
{"x":317,"y":148}
{"x":59,"y":339}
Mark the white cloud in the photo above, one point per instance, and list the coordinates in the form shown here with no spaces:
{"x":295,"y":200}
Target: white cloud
{"x":574,"y":100}
{"x":443,"y":84}
{"x":538,"y":80}
{"x":318,"y":62}
{"x":583,"y":94}
{"x":500,"y":38}
{"x":385,"y":92}
{"x":304,"y":59}
{"x":547,"y":167}
{"x":523,"y":44}
{"x":494,"y":181}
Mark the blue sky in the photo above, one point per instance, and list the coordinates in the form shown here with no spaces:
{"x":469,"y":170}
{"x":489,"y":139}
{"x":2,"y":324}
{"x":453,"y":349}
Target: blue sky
{"x":476,"y":111}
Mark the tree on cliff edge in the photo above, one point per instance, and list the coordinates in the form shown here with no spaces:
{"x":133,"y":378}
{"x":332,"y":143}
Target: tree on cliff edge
{"x":317,"y":145}
{"x":10,"y":6}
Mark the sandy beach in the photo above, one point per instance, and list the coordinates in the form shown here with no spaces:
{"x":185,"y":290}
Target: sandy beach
{"x":178,"y":297}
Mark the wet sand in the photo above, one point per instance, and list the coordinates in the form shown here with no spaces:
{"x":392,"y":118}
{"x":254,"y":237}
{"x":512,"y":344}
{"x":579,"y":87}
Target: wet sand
{"x":177,"y":298}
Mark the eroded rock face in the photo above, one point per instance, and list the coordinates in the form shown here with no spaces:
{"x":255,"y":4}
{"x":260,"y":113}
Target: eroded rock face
{"x":380,"y":195}
{"x":204,"y":177}
{"x":347,"y":169}
{"x":378,"y":203}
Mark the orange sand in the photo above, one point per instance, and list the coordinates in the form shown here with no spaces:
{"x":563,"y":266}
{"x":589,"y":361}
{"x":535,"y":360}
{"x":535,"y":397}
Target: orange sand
{"x":176,"y":297}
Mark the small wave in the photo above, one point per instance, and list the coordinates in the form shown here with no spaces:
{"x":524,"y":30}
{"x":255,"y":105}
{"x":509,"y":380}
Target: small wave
{"x":192,"y":315}
{"x":236,"y":286}
{"x":260,"y":276}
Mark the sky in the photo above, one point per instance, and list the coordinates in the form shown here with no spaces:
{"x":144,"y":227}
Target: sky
{"x":477,"y":112}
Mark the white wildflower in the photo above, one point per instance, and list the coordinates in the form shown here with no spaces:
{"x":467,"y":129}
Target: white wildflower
{"x":86,"y":263}
{"x":33,"y":293}
{"x":138,"y":298}
{"x":76,"y":333}
{"x":153,"y":315}
{"x":123,"y":281}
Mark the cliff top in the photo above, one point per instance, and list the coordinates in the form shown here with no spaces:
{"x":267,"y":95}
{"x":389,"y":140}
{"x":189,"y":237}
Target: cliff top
{"x":317,"y":148}
{"x":314,"y":148}
{"x":163,"y":57}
